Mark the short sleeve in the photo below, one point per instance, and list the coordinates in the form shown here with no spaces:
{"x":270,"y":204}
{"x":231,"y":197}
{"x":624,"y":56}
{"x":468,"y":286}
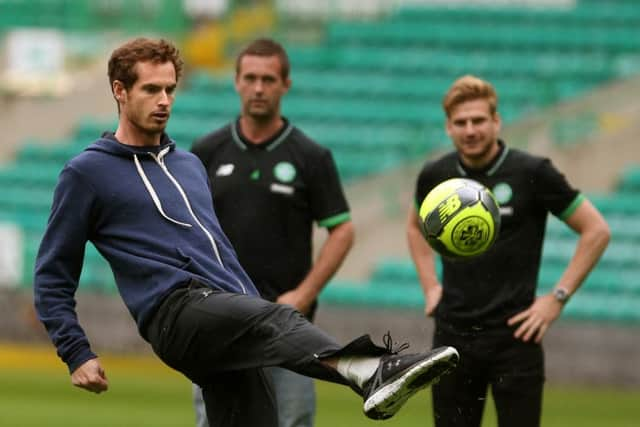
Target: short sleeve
{"x":425,"y":182}
{"x":329,"y":205}
{"x":553,"y":191}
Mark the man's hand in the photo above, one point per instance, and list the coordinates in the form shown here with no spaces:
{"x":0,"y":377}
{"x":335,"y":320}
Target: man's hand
{"x":296,"y":298}
{"x":433,"y":295}
{"x":90,"y":376}
{"x":536,"y":320}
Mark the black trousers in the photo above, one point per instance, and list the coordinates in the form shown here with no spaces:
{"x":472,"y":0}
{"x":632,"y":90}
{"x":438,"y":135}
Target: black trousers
{"x":513,"y":369}
{"x":221,"y":341}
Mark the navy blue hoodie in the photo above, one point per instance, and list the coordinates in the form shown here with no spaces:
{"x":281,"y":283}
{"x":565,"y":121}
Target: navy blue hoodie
{"x":148,"y":211}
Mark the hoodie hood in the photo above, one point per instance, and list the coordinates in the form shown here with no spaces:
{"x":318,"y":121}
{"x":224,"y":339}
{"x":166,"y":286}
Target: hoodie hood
{"x":108,"y":143}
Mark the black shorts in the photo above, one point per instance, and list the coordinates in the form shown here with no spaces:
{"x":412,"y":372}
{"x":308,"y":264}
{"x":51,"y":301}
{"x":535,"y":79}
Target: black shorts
{"x":489,"y":357}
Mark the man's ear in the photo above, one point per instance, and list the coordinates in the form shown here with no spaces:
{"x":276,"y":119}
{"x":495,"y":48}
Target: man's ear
{"x":287,"y":85}
{"x":497,"y":119}
{"x":119,"y":91}
{"x":447,"y":126}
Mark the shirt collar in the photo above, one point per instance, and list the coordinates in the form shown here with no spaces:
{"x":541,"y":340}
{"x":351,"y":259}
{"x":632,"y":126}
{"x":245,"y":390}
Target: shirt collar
{"x":269,"y":144}
{"x":489,"y":169}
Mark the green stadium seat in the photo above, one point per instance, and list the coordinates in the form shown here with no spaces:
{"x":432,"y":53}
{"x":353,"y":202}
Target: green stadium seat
{"x":163,"y":16}
{"x":56,"y":153}
{"x":16,"y":201}
{"x":618,"y":203}
{"x":603,"y":307}
{"x":33,"y":175}
{"x":401,"y":272}
{"x":365,"y":295}
{"x":630,"y":180}
{"x":89,"y":129}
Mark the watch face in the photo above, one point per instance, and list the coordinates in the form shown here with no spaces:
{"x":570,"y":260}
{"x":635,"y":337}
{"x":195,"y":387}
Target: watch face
{"x":560,"y":295}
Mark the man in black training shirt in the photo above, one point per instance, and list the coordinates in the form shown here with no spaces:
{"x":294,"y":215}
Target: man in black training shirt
{"x":270,"y":182}
{"x":487,"y":306}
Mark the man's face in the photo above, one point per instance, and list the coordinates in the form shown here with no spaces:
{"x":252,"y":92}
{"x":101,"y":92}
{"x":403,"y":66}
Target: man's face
{"x":260,"y":86}
{"x":474,"y":131}
{"x":147,"y":104}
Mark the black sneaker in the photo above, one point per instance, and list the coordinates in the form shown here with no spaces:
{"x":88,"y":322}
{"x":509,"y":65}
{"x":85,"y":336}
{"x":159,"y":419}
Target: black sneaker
{"x":398,"y":377}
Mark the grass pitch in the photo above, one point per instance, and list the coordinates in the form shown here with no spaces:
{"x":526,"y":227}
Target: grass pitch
{"x":35,"y":390}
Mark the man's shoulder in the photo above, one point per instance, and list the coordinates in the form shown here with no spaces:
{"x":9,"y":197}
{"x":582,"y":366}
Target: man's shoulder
{"x":524,"y":160}
{"x":303,"y":142}
{"x":89,"y":157}
{"x":444,"y":162}
{"x":185,"y":154}
{"x":215,"y":138}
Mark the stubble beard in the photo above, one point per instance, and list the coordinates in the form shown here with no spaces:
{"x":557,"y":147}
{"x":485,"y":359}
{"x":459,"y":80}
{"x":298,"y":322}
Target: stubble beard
{"x":152,"y":129}
{"x":261,"y":116}
{"x":484,"y":153}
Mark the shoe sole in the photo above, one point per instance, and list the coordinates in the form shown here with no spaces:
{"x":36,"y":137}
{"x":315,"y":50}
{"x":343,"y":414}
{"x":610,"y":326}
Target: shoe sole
{"x":385,"y":402}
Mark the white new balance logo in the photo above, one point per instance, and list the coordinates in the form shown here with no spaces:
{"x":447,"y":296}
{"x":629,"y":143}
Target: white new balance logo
{"x":225,"y":169}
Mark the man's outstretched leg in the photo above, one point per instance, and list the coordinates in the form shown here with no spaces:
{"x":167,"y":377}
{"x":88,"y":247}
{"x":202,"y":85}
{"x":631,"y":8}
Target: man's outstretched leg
{"x":205,"y":334}
{"x":388,"y":381}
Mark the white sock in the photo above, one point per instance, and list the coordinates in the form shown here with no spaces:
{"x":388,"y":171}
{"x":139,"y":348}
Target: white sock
{"x":358,"y":369}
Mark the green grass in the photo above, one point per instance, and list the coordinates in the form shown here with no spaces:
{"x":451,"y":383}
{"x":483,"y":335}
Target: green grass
{"x":563,"y":407}
{"x":143,"y":393}
{"x":47,"y":399}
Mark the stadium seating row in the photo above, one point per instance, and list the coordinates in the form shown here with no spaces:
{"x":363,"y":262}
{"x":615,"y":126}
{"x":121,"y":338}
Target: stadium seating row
{"x":347,"y":109}
{"x":587,"y":13}
{"x":501,"y":36}
{"x":449,"y":60}
{"x":373,"y":76}
{"x":608,"y":294}
{"x":605,"y":278}
{"x":630,"y":180}
{"x":54,"y":152}
{"x":625,"y":203}
{"x":90,"y":15}
{"x":583,"y":306}
{"x":624,"y":227}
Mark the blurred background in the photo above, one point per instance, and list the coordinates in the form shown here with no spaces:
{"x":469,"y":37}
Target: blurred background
{"x":368,"y":78}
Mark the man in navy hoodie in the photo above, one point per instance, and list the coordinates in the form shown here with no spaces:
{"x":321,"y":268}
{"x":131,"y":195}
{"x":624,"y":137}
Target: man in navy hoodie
{"x":146,"y":206}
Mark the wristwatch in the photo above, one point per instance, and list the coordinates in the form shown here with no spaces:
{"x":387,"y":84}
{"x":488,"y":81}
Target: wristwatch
{"x":561,"y":295}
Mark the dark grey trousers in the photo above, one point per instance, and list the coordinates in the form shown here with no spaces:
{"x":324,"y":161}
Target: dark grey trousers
{"x":221,"y":341}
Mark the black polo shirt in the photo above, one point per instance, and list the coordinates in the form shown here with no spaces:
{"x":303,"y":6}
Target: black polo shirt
{"x":488,"y":289}
{"x":267,"y":197}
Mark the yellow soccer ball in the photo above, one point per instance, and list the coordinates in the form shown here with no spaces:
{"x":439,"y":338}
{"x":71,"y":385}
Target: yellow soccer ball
{"x":460,"y":218}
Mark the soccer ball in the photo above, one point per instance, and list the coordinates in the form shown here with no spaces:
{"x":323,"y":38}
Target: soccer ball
{"x":460,"y":218}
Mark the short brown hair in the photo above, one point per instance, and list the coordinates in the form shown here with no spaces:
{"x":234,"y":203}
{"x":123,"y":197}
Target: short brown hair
{"x":124,"y":58}
{"x":266,"y":47}
{"x":469,"y":88}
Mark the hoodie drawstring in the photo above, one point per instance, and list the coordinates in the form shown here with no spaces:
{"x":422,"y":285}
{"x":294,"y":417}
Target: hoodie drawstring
{"x":159,"y":159}
{"x":153,"y":194}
